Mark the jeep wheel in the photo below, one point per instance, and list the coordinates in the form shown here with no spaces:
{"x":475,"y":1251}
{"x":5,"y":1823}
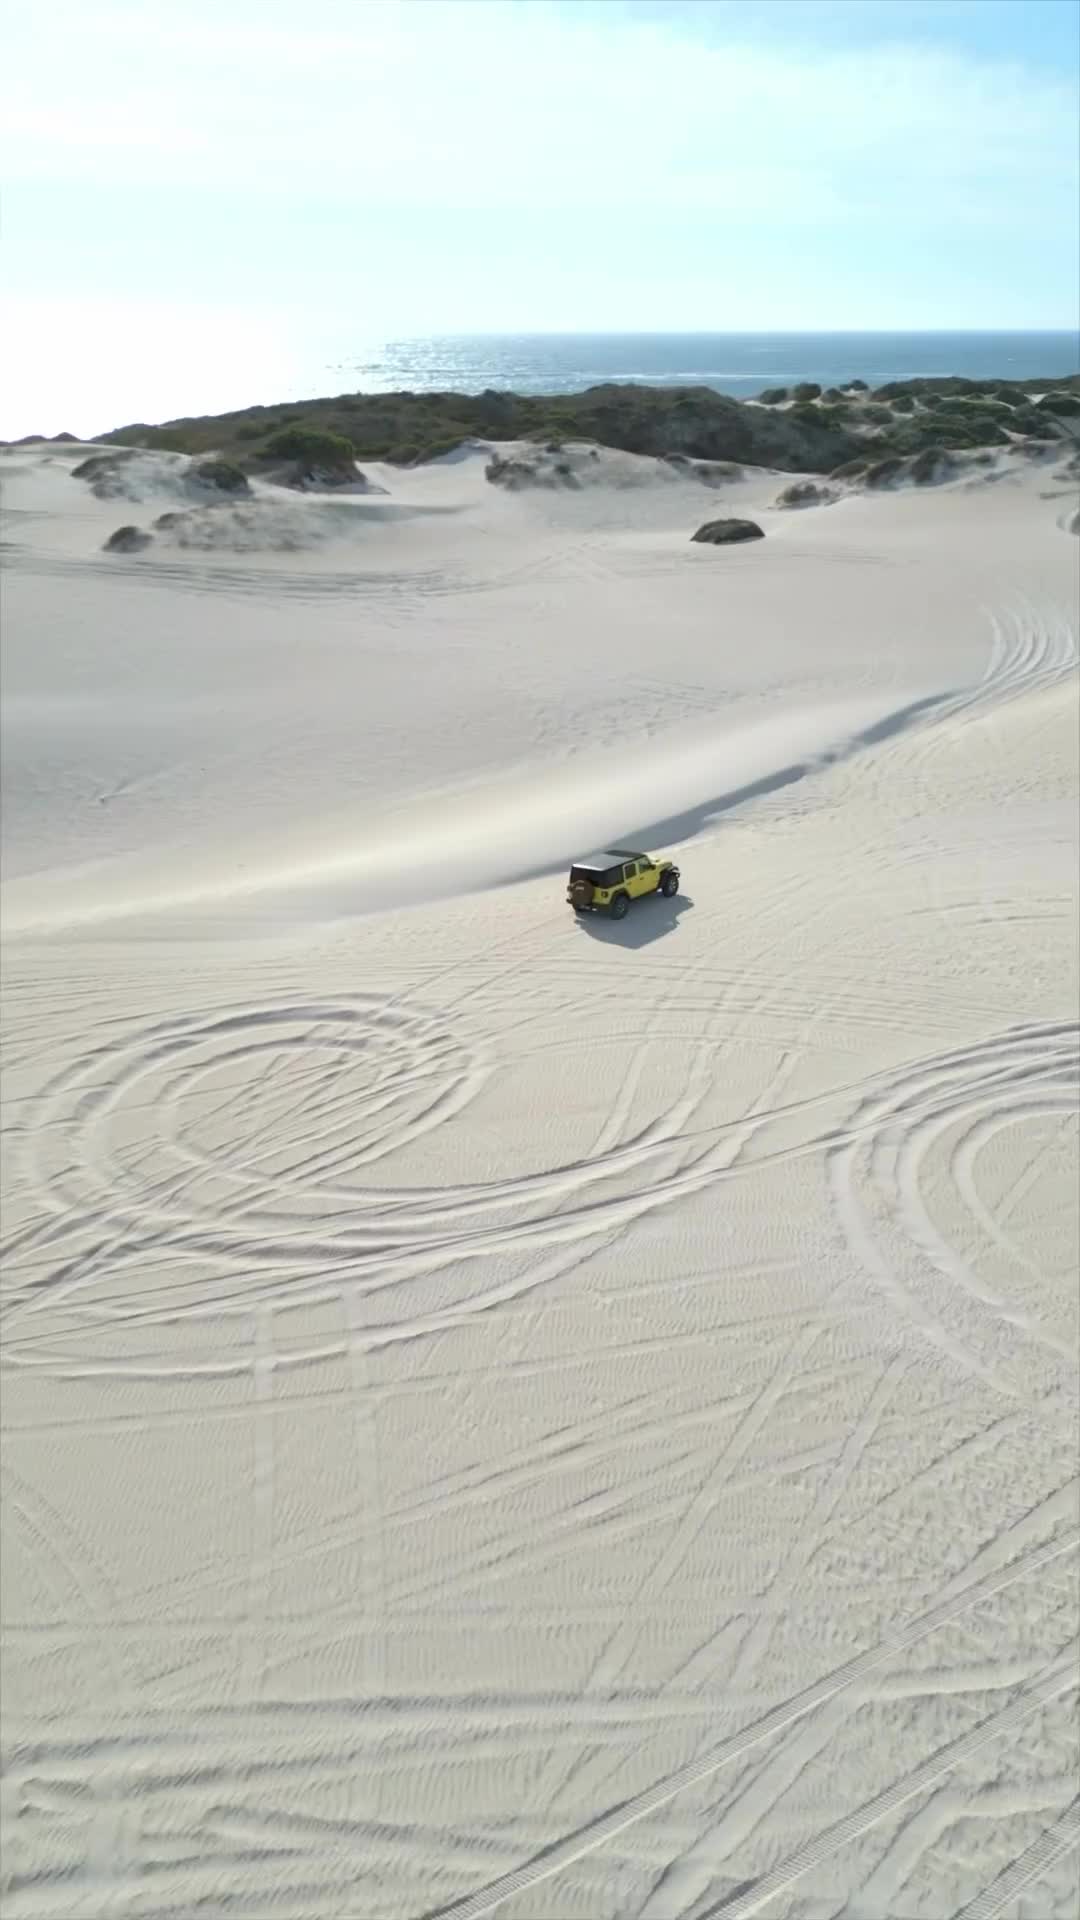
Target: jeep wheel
{"x":620,"y":907}
{"x":669,"y":884}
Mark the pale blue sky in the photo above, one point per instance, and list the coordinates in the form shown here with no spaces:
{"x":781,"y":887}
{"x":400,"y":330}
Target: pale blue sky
{"x":202,"y":201}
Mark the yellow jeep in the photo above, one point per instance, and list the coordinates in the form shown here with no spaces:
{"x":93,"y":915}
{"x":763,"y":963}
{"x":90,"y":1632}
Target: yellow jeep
{"x":607,"y":882}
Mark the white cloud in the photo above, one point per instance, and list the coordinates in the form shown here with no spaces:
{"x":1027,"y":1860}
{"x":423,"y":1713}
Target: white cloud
{"x":477,"y":104}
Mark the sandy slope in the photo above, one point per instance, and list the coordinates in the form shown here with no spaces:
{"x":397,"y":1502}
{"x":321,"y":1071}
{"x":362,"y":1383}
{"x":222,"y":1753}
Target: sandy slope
{"x":508,"y":1414}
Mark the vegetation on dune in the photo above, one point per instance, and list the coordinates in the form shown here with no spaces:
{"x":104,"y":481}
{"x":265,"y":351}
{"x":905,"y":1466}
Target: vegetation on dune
{"x":129,"y":539}
{"x":727,"y":533}
{"x":813,"y":435}
{"x":933,"y":463}
{"x":221,"y":476}
{"x":804,"y":493}
{"x":953,"y":426}
{"x":881,"y":473}
{"x":172,"y":438}
{"x":957,"y":385}
{"x":313,"y":445}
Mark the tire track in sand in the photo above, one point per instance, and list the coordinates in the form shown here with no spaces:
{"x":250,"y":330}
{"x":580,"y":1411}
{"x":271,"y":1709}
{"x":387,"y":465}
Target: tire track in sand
{"x":1025,"y":1072}
{"x":1036,"y":1860}
{"x":1057,"y":1679}
{"x":597,"y":1833}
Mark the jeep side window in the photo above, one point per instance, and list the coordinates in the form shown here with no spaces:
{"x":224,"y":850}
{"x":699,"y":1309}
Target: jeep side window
{"x":629,"y":870}
{"x":645,"y":866}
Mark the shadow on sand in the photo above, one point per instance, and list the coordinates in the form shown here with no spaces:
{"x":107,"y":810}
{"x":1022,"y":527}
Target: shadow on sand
{"x":647,"y":920}
{"x":675,"y":829}
{"x":679,"y":827}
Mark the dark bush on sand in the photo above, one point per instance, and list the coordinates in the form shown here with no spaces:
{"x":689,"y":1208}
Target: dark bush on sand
{"x":312,"y":446}
{"x":727,"y":533}
{"x":805,"y":493}
{"x":127,"y":540}
{"x":931,"y":465}
{"x":882,"y":473}
{"x":221,"y":476}
{"x":944,"y":428}
{"x":698,"y":421}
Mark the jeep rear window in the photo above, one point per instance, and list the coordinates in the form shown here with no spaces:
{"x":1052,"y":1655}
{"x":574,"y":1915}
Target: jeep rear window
{"x":596,"y":878}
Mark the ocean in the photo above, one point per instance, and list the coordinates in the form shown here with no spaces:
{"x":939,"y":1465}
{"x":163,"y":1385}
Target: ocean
{"x":735,"y":363}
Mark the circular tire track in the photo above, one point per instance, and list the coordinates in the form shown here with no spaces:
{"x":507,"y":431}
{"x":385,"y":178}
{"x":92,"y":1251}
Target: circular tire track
{"x":958,"y":1100}
{"x":238,"y":1151}
{"x":244,"y":1142}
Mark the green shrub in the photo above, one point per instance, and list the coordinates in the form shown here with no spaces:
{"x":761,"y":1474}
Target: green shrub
{"x":808,"y":390}
{"x":821,"y":418}
{"x":772,"y":396}
{"x":876,"y":415}
{"x":446,"y":443}
{"x":222,"y":476}
{"x":312,"y":445}
{"x":977,"y":406}
{"x":1063,"y":403}
{"x":151,"y":439}
{"x":548,"y":429}
{"x":903,"y":403}
{"x":947,"y":429}
{"x":1028,"y":419}
{"x":880,"y":473}
{"x":930,"y":464}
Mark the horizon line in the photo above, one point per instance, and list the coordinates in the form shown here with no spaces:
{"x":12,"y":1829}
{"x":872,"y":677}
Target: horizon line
{"x":730,"y":333}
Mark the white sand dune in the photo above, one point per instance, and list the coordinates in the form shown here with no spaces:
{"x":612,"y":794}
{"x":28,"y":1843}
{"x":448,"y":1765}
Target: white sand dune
{"x":512,"y":1414}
